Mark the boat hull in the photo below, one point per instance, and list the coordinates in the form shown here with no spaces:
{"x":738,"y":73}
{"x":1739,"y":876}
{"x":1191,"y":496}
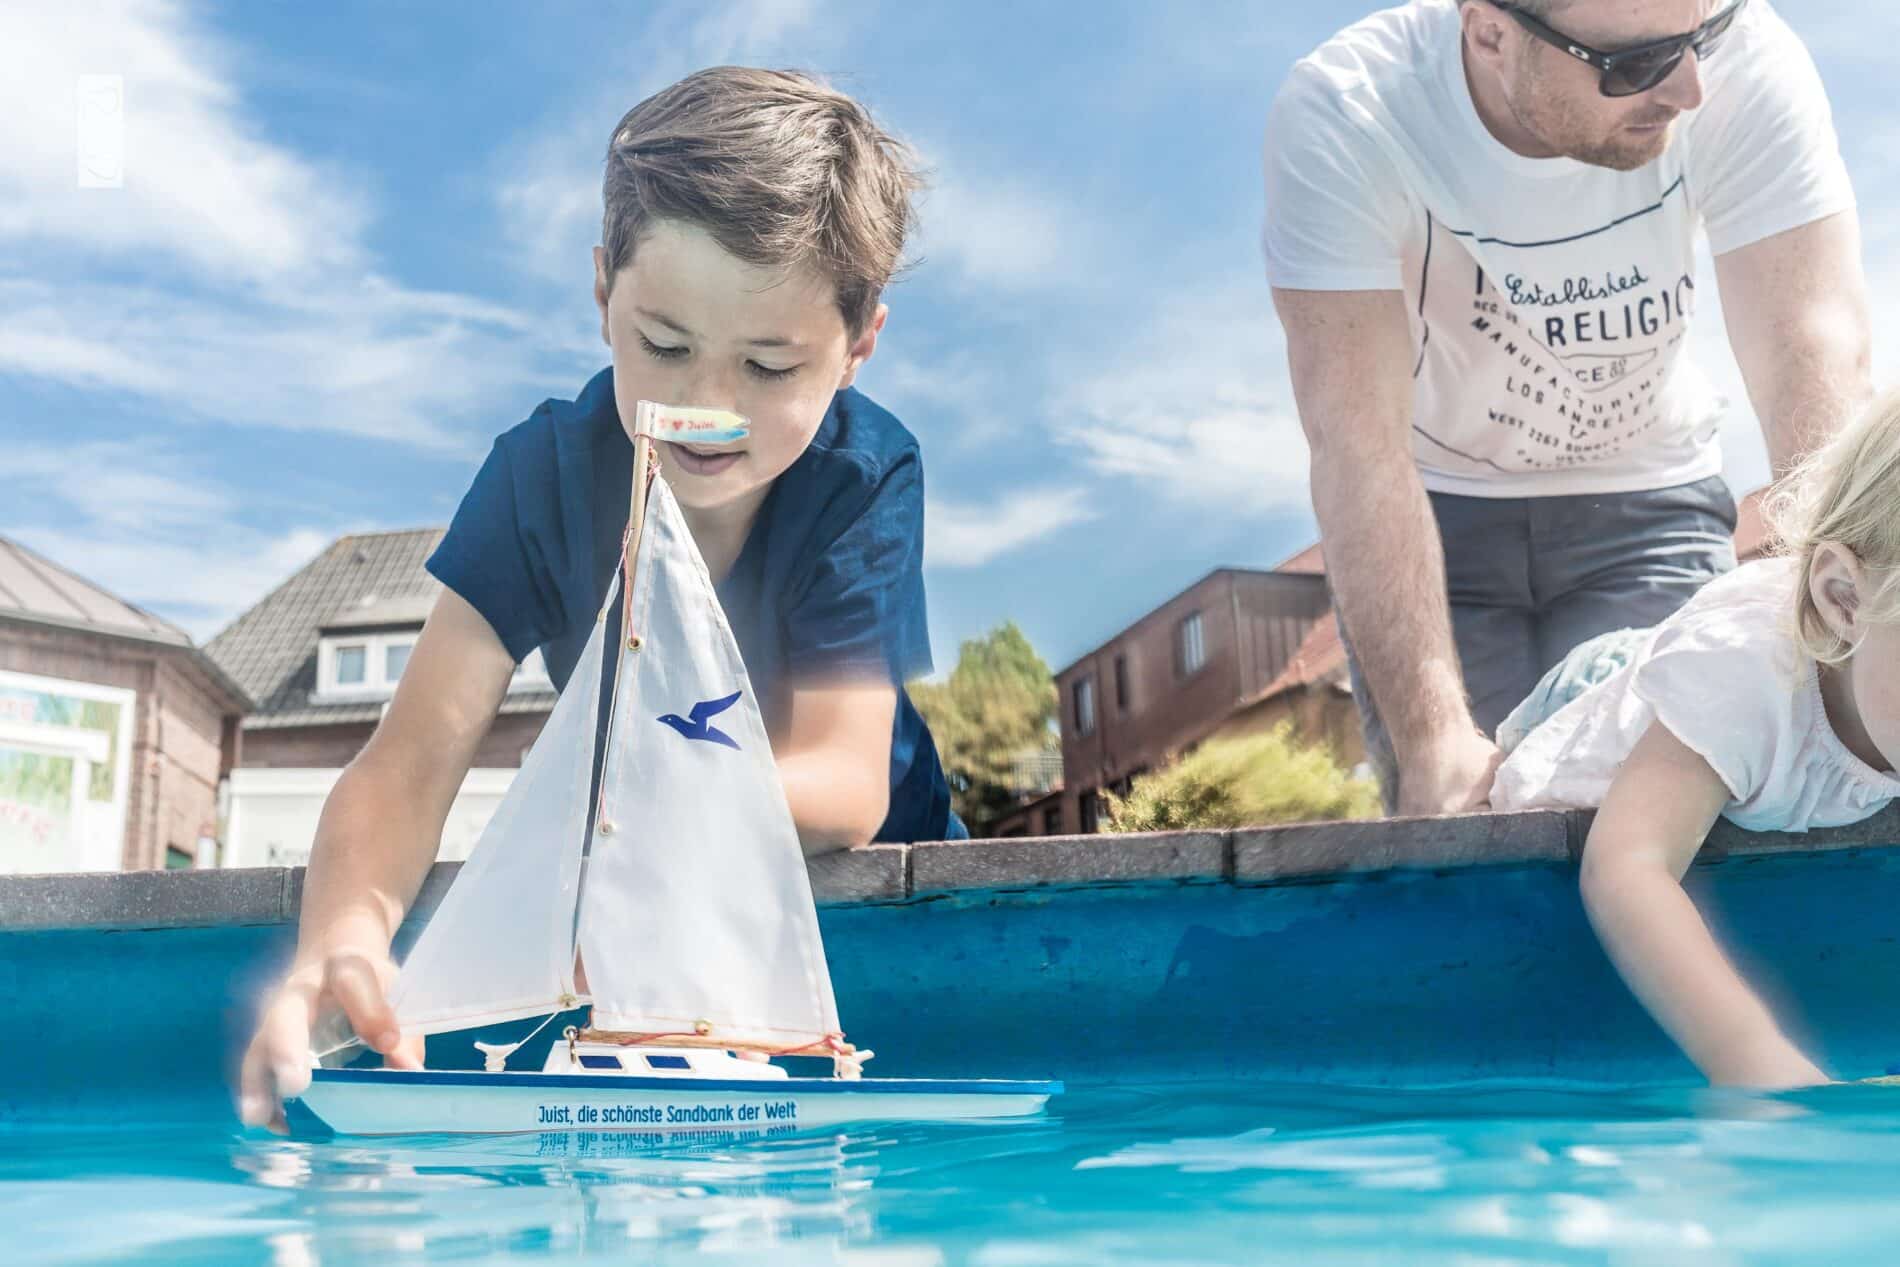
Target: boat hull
{"x":429,"y":1102}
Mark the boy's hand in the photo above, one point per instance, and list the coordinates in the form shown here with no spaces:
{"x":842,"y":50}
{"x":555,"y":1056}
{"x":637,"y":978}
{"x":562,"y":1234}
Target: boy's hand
{"x":277,"y":1064}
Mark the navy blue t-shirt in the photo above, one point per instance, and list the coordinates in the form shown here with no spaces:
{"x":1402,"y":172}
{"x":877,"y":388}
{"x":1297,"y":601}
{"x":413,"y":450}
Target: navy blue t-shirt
{"x":829,"y":581}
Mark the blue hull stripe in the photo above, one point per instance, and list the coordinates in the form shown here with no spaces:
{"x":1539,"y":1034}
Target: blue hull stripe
{"x":628,"y":1082}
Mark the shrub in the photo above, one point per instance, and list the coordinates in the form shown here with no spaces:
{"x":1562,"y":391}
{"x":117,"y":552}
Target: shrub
{"x":1243,"y":781}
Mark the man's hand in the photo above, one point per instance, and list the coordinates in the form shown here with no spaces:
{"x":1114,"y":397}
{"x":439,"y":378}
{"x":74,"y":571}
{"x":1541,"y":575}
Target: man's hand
{"x":1452,"y":778}
{"x":276,"y":1066}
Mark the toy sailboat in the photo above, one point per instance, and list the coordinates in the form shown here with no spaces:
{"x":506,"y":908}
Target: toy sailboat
{"x":674,"y":902}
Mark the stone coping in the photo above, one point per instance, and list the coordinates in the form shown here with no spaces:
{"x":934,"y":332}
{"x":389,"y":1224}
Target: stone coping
{"x":1310,"y":853}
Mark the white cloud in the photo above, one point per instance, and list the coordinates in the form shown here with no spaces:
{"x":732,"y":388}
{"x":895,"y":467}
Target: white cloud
{"x":373,"y":361}
{"x":202,"y":186}
{"x":1203,"y":415}
{"x":199,"y":589}
{"x":1005,"y":234}
{"x":962,"y":534}
{"x":152,"y":528}
{"x":228,"y":280}
{"x":548,"y":187}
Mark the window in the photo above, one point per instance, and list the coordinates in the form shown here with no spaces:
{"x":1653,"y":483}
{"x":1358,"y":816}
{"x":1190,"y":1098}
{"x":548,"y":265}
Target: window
{"x":350,"y":665}
{"x":1190,"y":646}
{"x":668,"y":1062}
{"x":1121,"y":683}
{"x":1089,"y":813}
{"x":177,"y":859}
{"x":363,"y":666}
{"x":1084,"y":691}
{"x":1052,"y":821}
{"x":600,"y":1062}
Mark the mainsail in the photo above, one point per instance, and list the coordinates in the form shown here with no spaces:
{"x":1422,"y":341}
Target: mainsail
{"x":696,"y":911}
{"x":501,"y":945}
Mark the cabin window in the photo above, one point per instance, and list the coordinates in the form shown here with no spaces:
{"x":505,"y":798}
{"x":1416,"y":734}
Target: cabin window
{"x":600,"y":1062}
{"x":668,"y":1062}
{"x":1190,"y":645}
{"x":1084,"y":691}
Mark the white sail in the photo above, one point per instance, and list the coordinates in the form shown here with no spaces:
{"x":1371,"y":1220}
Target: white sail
{"x":696,"y":906}
{"x":501,"y":944}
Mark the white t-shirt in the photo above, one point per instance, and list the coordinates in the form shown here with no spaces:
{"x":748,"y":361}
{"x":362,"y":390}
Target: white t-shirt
{"x":1725,"y":676}
{"x":1550,"y":300}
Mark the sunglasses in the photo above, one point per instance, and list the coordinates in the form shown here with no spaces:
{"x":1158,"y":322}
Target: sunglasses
{"x":1630,"y":71}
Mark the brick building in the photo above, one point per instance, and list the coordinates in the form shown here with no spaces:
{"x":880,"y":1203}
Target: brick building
{"x":1217,"y":654}
{"x":115,"y":730}
{"x":321,"y":655}
{"x":1240,"y":650}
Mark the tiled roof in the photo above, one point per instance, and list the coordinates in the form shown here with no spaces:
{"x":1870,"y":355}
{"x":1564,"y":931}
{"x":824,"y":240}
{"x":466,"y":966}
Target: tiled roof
{"x":1308,"y":562}
{"x":272,"y":649}
{"x":1321,"y":657}
{"x":34,"y":588}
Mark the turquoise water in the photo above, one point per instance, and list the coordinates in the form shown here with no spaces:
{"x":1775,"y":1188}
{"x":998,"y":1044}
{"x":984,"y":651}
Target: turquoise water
{"x":1198,"y":1174}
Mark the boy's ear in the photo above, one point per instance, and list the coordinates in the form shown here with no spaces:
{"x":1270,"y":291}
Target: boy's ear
{"x":600,"y":291}
{"x":863,"y":346}
{"x":1834,"y":583}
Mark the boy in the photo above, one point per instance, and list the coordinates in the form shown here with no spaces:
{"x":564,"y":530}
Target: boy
{"x":752,"y":219}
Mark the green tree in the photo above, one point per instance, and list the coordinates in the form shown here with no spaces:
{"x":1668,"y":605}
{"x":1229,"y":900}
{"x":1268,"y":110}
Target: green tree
{"x":1243,"y":781}
{"x":996,"y":705}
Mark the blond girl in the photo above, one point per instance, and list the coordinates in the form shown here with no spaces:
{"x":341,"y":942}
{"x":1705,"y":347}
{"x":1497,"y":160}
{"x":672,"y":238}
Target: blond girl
{"x":1772,"y":699}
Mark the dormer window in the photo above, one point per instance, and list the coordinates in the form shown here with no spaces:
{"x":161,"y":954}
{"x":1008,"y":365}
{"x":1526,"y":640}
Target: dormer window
{"x":363,"y":650}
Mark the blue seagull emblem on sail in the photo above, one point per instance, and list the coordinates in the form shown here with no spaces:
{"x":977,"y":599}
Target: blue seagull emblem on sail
{"x":698,"y":725}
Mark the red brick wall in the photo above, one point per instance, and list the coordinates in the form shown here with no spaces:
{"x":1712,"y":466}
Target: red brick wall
{"x":333,"y":747}
{"x":1251,"y":623}
{"x":177,"y":727}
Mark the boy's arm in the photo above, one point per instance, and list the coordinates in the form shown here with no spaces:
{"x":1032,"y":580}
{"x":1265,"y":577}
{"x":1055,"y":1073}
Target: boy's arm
{"x":378,"y":834}
{"x":1658,"y":812}
{"x":836,"y":762}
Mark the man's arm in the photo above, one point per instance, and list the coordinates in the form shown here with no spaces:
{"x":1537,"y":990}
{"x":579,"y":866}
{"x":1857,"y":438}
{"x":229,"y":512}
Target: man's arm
{"x":1351,"y":355}
{"x":835,"y":762}
{"x":1796,"y":309}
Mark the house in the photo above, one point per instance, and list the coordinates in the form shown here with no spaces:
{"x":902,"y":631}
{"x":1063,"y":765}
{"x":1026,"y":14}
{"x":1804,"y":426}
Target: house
{"x":1036,"y":780}
{"x":1216,"y":660}
{"x":115,"y":730}
{"x":321,"y":656}
{"x":1222,"y":646}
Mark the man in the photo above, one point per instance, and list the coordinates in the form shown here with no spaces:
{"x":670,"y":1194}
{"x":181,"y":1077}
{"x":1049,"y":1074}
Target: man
{"x":1480,"y":233}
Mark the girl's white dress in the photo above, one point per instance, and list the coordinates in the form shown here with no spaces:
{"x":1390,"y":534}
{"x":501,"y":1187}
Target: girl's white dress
{"x":1725,"y":676}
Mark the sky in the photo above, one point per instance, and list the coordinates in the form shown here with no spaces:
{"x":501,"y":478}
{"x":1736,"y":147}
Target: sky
{"x":351,"y":247}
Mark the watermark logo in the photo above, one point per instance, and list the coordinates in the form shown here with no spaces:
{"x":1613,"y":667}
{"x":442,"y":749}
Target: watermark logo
{"x":101,"y":148}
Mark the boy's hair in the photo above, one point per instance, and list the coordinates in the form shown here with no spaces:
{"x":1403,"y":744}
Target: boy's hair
{"x":780,"y":169}
{"x":1846,"y":492}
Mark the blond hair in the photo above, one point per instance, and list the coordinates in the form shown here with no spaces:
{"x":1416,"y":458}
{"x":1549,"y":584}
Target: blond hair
{"x":782,"y":170}
{"x":1847,"y":492}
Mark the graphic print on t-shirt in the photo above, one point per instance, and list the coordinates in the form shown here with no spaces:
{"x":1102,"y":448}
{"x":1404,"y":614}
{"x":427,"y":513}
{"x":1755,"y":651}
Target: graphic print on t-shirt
{"x":1566,"y":346}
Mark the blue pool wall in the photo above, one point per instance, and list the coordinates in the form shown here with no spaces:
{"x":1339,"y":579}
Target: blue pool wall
{"x":1392,"y":954}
